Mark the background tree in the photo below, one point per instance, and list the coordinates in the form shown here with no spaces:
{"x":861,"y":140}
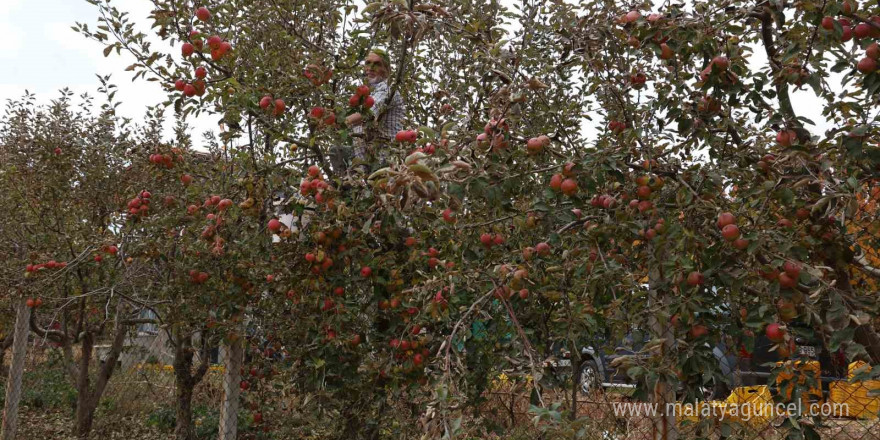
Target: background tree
{"x":700,"y":171}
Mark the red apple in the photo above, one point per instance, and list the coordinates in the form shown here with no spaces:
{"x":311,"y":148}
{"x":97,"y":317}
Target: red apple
{"x":721,"y":62}
{"x":203,"y":14}
{"x":486,"y":239}
{"x":775,"y":332}
{"x":787,"y":281}
{"x":786,"y":137}
{"x":214,"y":42}
{"x":179,"y":85}
{"x":556,"y":182}
{"x":265,"y":102}
{"x":279,"y":107}
{"x":792,"y":268}
{"x":448,"y":215}
{"x":666,"y":52}
{"x":725,"y":219}
{"x":862,"y":30}
{"x":187,"y":49}
{"x":632,"y":16}
{"x":695,"y":278}
{"x":730,"y":232}
{"x":542,"y":248}
{"x":366,"y":272}
{"x":698,"y":331}
{"x":274,"y":225}
{"x":534,"y":146}
{"x":867,"y":65}
{"x":828,"y":23}
{"x":569,"y":187}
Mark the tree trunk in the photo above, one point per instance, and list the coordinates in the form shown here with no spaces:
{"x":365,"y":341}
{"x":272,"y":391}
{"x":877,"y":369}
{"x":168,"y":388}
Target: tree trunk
{"x":186,"y":381}
{"x":576,"y":362}
{"x":182,"y":373}
{"x":13,"y":385}
{"x":84,"y":410}
{"x":183,"y":425}
{"x":85,"y":415}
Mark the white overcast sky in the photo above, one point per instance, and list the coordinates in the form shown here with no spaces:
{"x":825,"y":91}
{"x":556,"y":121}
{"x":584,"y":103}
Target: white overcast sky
{"x":41,"y":53}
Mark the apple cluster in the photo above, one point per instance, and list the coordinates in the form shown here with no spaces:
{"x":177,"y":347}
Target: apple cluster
{"x":197,"y":277}
{"x":323,"y":117}
{"x":315,"y":184}
{"x":166,"y":160}
{"x":361,"y":98}
{"x":139,"y":205}
{"x":730,"y":231}
{"x":51,"y":264}
{"x":278,"y":108}
{"x":494,"y":134}
{"x":317,"y":75}
{"x":536,"y":145}
{"x":866,"y":29}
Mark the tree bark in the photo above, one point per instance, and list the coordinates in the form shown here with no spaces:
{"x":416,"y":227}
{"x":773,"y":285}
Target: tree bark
{"x":87,"y":397}
{"x":84,"y":415}
{"x":10,"y":339}
{"x":13,"y":385}
{"x":183,"y":424}
{"x":186,"y":382}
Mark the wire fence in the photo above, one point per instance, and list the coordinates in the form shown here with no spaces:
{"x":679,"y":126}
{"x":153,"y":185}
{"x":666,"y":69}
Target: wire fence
{"x":847,"y":409}
{"x":141,"y":402}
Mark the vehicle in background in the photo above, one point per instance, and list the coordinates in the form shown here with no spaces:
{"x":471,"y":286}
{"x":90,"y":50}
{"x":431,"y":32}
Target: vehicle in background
{"x":739,"y":367}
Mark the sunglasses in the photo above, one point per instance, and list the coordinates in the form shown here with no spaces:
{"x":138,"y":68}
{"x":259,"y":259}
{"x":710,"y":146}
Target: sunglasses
{"x":373,"y":63}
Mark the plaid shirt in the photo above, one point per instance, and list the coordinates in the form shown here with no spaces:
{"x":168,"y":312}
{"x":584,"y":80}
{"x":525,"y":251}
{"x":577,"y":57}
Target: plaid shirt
{"x":378,"y":132}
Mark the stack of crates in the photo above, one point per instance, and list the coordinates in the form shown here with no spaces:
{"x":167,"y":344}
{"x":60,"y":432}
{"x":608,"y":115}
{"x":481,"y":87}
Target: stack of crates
{"x":855,"y":399}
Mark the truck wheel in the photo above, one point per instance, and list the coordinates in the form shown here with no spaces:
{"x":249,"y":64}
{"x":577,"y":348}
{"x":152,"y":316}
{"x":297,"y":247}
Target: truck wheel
{"x":590,"y":380}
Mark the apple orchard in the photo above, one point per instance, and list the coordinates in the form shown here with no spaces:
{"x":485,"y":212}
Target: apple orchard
{"x":591,"y":169}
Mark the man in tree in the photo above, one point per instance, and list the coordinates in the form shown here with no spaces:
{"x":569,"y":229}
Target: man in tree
{"x":372,"y":134}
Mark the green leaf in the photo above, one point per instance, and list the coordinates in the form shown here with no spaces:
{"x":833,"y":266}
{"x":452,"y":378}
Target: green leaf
{"x":427,"y":131}
{"x":841,"y":336}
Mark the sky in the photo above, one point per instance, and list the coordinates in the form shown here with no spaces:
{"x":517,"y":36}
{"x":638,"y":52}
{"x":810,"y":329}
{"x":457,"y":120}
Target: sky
{"x":42,"y":54}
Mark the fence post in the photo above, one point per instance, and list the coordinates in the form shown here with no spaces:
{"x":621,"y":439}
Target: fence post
{"x":13,"y":385}
{"x":231,"y":387}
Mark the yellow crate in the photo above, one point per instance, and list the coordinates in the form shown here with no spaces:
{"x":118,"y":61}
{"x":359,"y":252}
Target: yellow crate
{"x":757,"y":398}
{"x":856,"y":396}
{"x":694,"y":412}
{"x":803,"y":370}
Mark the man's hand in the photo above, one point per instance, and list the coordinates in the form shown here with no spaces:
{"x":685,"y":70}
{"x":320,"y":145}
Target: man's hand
{"x":354,"y":119}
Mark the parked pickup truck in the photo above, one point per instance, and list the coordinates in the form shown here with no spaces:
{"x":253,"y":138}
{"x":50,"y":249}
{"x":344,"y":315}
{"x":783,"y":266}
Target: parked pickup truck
{"x":738,"y":366}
